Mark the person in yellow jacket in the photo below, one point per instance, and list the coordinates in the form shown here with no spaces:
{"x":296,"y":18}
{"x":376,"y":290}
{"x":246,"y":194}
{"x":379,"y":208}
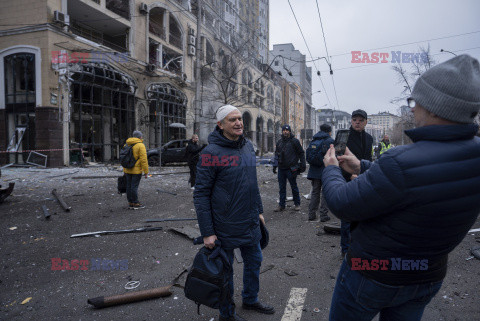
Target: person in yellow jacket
{"x":384,"y":145}
{"x":134,"y":174}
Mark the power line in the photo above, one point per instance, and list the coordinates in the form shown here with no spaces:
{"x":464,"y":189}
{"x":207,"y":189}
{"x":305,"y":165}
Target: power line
{"x":380,"y":64}
{"x":327,"y":58}
{"x":306,"y":44}
{"x":411,"y":43}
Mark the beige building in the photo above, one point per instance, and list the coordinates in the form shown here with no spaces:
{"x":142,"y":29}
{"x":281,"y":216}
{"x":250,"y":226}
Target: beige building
{"x":78,"y":76}
{"x":381,"y":124}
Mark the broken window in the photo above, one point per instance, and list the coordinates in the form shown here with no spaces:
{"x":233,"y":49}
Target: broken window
{"x":20,"y":101}
{"x":168,"y":109}
{"x":156,"y":23}
{"x":175,"y":35}
{"x":103,"y":114}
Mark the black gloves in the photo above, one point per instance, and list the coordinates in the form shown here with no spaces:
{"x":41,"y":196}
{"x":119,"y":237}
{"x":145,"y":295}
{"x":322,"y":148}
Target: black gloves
{"x":303,"y":168}
{"x":274,"y":169}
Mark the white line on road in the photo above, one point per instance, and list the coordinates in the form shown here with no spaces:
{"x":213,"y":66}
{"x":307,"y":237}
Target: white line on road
{"x":293,"y":310}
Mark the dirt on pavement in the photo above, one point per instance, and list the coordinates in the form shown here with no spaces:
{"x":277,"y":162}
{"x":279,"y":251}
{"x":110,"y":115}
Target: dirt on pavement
{"x":296,"y":256}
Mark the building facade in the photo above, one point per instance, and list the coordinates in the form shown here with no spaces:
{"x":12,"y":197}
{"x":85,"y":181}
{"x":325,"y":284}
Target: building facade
{"x":78,"y":76}
{"x":384,"y":121}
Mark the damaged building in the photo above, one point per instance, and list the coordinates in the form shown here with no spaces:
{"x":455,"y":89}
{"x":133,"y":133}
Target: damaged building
{"x":78,"y":76}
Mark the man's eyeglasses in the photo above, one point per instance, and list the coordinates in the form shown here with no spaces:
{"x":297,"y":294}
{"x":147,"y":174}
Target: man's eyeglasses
{"x":411,"y":103}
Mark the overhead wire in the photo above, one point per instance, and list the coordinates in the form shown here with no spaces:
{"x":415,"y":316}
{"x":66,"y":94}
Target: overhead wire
{"x":306,"y":44}
{"x":328,"y":56}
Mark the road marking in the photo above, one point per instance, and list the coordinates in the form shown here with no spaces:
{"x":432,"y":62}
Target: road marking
{"x":293,"y":310}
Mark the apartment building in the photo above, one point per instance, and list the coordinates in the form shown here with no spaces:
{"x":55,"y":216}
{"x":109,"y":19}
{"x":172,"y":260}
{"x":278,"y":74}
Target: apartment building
{"x":384,"y":121}
{"x":291,"y":63}
{"x":78,"y":76}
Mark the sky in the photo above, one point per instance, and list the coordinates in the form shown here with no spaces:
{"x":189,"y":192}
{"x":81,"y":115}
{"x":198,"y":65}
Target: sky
{"x":383,"y":25}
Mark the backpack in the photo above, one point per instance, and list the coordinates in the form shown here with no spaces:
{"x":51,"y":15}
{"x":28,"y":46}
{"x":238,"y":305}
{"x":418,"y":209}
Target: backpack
{"x":207,"y":278}
{"x":126,"y":156}
{"x":315,"y":153}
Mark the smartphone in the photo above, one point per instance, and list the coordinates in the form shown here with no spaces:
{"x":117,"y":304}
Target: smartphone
{"x":341,"y":141}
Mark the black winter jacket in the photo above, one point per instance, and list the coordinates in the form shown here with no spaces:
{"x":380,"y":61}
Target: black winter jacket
{"x":288,"y":153}
{"x":416,"y":202}
{"x":226,"y":196}
{"x":192,"y":151}
{"x":360,"y":144}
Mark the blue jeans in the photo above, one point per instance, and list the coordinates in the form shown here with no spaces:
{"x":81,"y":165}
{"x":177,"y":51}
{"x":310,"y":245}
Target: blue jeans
{"x":133,"y":180}
{"x":283,"y":175}
{"x":345,"y":236}
{"x":252,"y":260}
{"x":357,"y":298}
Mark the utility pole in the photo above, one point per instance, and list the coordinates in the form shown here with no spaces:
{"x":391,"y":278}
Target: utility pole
{"x":198,"y":69}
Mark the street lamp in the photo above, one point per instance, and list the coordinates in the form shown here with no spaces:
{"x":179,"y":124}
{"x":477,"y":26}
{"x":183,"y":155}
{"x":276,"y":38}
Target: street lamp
{"x":441,"y":50}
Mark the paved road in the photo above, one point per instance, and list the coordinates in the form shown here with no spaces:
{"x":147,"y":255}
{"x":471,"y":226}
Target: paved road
{"x":303,"y":265}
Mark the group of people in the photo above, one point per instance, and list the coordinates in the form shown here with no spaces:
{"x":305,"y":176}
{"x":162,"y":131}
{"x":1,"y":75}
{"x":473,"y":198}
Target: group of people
{"x":401,"y":215}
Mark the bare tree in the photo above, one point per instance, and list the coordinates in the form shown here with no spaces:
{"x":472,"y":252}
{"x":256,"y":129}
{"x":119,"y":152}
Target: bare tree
{"x":407,"y":75}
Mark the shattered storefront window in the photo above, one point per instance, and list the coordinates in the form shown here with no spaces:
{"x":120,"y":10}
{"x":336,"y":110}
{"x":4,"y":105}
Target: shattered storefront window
{"x":168,"y":108}
{"x":102,"y":112}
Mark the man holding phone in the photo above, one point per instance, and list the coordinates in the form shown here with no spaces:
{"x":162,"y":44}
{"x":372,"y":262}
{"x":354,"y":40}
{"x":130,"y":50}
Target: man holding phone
{"x":360,"y":144}
{"x":414,"y":205}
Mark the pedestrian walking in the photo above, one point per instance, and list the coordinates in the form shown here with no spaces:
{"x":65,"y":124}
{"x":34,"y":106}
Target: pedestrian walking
{"x":290,"y":161}
{"x":228,"y":205}
{"x":360,"y":144}
{"x":134,"y":174}
{"x":315,"y":153}
{"x":192,"y":151}
{"x":414,"y":205}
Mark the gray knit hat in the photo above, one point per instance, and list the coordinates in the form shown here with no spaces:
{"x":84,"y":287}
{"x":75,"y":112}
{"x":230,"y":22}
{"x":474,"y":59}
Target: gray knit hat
{"x":137,"y":134}
{"x":451,"y":90}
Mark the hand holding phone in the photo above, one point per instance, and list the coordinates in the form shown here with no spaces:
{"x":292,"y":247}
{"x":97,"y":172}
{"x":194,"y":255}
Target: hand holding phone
{"x":341,"y":142}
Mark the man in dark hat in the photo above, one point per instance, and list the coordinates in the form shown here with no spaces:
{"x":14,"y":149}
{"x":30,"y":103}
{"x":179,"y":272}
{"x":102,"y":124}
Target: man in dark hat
{"x":290,"y":160}
{"x":360,"y":144}
{"x":414,"y":205}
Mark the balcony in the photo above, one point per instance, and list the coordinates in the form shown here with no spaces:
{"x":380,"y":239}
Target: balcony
{"x":157,"y":29}
{"x":120,"y":7}
{"x":87,"y":21}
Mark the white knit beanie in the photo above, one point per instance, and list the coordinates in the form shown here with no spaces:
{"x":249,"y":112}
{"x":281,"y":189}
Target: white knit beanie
{"x":223,"y":111}
{"x":451,"y":90}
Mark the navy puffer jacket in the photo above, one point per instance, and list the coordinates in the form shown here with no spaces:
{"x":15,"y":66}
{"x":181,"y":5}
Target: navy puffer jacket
{"x":323,"y":140}
{"x":226,"y":196}
{"x":416,"y":201}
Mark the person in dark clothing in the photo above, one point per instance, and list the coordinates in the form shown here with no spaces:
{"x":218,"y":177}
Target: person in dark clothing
{"x":288,"y":154}
{"x":315,"y":153}
{"x":193,"y":150}
{"x":414,"y":205}
{"x":360,"y":144}
{"x":228,"y":205}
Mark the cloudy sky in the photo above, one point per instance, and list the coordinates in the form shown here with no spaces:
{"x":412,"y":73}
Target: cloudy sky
{"x":385,"y":26}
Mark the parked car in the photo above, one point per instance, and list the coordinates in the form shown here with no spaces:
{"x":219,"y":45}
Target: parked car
{"x":172,"y":152}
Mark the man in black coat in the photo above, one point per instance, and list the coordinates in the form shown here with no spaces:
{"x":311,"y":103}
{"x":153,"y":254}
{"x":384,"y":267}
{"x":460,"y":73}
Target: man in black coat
{"x":288,"y":154}
{"x":360,"y":144}
{"x":193,"y":150}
